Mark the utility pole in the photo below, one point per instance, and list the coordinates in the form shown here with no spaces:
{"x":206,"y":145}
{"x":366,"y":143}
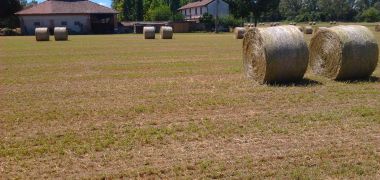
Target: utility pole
{"x":217,"y":16}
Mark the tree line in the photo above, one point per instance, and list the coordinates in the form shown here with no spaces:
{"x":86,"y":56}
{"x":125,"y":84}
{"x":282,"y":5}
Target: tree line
{"x":261,"y":10}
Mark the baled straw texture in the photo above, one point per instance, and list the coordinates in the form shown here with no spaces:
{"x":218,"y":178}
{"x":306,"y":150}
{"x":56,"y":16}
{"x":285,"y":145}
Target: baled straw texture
{"x":166,"y":32}
{"x":275,"y":54}
{"x":42,"y":34}
{"x":344,"y":52}
{"x":239,"y":32}
{"x":61,"y":34}
{"x":149,"y":32}
{"x":308,"y":30}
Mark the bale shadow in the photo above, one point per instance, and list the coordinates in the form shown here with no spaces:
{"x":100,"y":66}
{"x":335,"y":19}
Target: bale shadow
{"x":372,"y":79}
{"x":305,"y":82}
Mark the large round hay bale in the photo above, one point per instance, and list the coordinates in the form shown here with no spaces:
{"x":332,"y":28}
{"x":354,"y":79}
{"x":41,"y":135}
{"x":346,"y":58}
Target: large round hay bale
{"x":239,"y":32}
{"x":166,"y":32}
{"x":275,"y":54}
{"x":344,"y":52}
{"x":42,"y":34}
{"x":308,"y":30}
{"x":149,"y":32}
{"x":61,"y":34}
{"x":377,"y":27}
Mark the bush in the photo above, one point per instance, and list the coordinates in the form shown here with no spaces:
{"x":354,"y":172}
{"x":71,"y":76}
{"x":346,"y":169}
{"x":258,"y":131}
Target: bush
{"x":230,"y":21}
{"x":208,"y":21}
{"x":10,"y":21}
{"x":160,"y":13}
{"x":370,"y":15}
{"x":178,"y":17}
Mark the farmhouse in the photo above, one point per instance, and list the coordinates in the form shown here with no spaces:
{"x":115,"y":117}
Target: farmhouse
{"x":79,"y":16}
{"x":195,"y":10}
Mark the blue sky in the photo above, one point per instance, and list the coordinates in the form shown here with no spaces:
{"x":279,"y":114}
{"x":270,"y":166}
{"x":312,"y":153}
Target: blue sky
{"x":102,"y":2}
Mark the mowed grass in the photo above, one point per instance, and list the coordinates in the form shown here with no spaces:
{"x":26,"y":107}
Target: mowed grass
{"x":118,"y":106}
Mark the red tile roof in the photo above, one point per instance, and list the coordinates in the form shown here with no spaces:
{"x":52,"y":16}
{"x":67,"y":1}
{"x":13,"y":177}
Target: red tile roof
{"x":66,"y":7}
{"x":196,"y":4}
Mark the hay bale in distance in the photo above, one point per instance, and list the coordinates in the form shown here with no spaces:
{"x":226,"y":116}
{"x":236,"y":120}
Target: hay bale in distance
{"x":377,"y":27}
{"x":166,"y":32}
{"x":61,"y":34}
{"x":42,"y":34}
{"x":239,"y":32}
{"x":308,"y":30}
{"x":149,"y":32}
{"x":301,"y":28}
{"x":344,"y":52}
{"x":275,"y":54}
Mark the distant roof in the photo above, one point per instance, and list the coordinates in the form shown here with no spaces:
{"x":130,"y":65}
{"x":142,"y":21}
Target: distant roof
{"x":66,"y":7}
{"x":196,"y":4}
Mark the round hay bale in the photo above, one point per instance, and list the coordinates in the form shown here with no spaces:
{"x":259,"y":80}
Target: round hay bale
{"x":308,"y":30}
{"x":275,"y":54}
{"x":239,"y":32}
{"x":310,"y":23}
{"x":61,"y":34}
{"x":42,"y":34}
{"x":377,"y":27}
{"x":344,"y":52}
{"x":149,"y":32}
{"x":166,"y":32}
{"x":314,"y":23}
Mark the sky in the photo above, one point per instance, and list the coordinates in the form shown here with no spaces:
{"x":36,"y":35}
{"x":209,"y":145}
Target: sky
{"x":101,"y":2}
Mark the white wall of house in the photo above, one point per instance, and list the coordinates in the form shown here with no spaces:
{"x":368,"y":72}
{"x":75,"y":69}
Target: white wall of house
{"x":75,"y":23}
{"x":193,"y":13}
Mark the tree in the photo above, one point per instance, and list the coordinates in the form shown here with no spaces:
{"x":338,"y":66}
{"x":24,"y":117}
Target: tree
{"x":259,"y":7}
{"x":9,"y":7}
{"x":370,"y":15}
{"x":7,"y":10}
{"x":160,"y":13}
{"x":139,"y":10}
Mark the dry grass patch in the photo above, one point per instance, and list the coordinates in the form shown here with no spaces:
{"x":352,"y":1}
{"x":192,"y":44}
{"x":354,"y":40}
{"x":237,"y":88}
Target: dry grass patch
{"x":179,"y":108}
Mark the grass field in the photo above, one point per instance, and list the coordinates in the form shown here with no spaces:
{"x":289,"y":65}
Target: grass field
{"x":119,"y":106}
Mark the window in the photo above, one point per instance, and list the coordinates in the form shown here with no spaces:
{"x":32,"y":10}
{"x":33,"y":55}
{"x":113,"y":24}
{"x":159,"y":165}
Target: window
{"x":37,"y":24}
{"x":64,"y":23}
{"x":77,"y":23}
{"x":200,"y":10}
{"x":196,"y":10}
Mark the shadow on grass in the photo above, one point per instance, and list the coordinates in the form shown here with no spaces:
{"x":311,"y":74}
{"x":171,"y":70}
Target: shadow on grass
{"x":371,"y":79}
{"x":302,"y":83}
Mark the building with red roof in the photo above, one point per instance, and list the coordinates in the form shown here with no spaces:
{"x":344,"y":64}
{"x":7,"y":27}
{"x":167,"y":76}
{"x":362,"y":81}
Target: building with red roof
{"x":194,"y":11}
{"x":79,"y":16}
